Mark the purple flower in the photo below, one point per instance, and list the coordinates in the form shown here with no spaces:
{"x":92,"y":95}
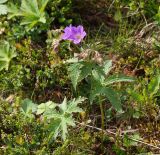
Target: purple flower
{"x":67,"y":32}
{"x":75,"y":34}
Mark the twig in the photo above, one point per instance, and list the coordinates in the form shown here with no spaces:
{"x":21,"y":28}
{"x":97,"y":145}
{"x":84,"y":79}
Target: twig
{"x":144,"y":18}
{"x":111,"y":5}
{"x":145,"y":29}
{"x":130,"y":131}
{"x":113,"y":133}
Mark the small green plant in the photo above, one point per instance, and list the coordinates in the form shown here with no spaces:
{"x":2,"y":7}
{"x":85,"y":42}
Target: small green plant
{"x":31,"y":11}
{"x":3,"y":7}
{"x":7,"y":53}
{"x":148,"y":93}
{"x":95,"y":72}
{"x":59,"y":119}
{"x":88,"y":65}
{"x":56,"y":116}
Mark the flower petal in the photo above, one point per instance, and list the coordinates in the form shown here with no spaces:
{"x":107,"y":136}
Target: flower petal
{"x":76,"y":41}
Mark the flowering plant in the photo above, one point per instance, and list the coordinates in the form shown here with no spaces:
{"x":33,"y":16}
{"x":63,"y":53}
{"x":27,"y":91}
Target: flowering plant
{"x":74,"y":34}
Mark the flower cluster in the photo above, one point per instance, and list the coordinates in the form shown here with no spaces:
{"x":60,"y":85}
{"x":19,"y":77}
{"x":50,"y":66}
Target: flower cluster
{"x":74,"y":34}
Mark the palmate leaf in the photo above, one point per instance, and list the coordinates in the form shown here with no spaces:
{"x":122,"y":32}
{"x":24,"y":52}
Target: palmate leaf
{"x":6,"y":55}
{"x":32,"y":12}
{"x":60,"y":116}
{"x":3,"y":7}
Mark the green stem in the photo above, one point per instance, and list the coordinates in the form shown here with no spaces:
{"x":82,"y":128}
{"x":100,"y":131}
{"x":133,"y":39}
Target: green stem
{"x":102,"y":115}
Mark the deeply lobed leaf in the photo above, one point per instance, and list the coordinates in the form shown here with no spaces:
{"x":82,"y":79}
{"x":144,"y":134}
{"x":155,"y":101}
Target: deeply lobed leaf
{"x":32,"y":12}
{"x":60,"y":116}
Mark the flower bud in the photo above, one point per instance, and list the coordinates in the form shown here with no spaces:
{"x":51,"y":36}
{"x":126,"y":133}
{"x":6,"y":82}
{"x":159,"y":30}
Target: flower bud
{"x":98,"y":57}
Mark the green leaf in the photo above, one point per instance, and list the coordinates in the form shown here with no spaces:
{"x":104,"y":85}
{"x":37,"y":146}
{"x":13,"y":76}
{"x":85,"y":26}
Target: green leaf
{"x":117,"y":78}
{"x":97,"y":89}
{"x":72,"y":105}
{"x":63,"y":105}
{"x":114,"y":98}
{"x":3,"y":1}
{"x":111,"y":95}
{"x":43,"y":4}
{"x":28,"y":107}
{"x":32,"y":12}
{"x":107,"y":66}
{"x":52,"y":114}
{"x":86,"y":70}
{"x":6,"y":55}
{"x":13,"y":11}
{"x":98,"y":74}
{"x":65,"y":121}
{"x":45,"y":106}
{"x":54,"y":127}
{"x":74,"y":73}
{"x":58,"y":126}
{"x":3,"y":9}
{"x":30,"y":7}
{"x":127,"y":141}
{"x":154,"y":85}
{"x":79,"y":71}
